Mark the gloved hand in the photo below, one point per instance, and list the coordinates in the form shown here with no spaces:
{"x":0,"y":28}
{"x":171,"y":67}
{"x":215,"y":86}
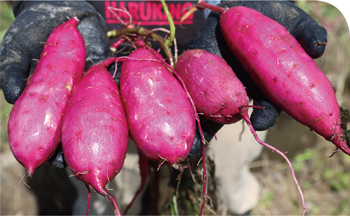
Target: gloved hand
{"x":23,"y":43}
{"x":311,"y":36}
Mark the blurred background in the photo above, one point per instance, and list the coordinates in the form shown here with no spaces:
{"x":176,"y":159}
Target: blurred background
{"x":325,"y":180}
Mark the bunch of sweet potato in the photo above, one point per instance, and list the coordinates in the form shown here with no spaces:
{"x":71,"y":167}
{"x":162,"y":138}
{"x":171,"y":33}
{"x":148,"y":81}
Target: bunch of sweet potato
{"x":157,"y":102}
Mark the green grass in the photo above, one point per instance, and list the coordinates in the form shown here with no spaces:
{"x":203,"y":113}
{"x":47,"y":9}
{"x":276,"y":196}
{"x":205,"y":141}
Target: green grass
{"x":5,"y":109}
{"x":6,"y":17}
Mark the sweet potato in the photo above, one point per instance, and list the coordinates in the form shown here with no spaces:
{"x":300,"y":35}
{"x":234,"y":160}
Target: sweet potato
{"x":95,"y":131}
{"x":215,"y":89}
{"x":160,"y":115}
{"x":36,"y":118}
{"x":283,"y":71}
{"x":217,"y":92}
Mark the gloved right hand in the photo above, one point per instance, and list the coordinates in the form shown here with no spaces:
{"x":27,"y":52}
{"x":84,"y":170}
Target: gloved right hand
{"x":304,"y":28}
{"x":34,"y":21}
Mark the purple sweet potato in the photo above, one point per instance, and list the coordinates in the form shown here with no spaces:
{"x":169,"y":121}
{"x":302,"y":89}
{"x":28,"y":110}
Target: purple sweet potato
{"x":160,"y":115}
{"x":95,"y":131}
{"x":283,"y":71}
{"x":36,"y":117}
{"x":218,"y":93}
{"x":215,"y":89}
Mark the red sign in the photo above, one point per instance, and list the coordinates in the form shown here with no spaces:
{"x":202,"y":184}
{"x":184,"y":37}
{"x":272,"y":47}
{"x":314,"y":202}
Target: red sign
{"x":146,"y":13}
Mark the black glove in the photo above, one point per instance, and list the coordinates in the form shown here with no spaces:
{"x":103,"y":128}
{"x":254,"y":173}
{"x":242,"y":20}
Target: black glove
{"x":209,"y":129}
{"x":24,"y":41}
{"x":305,"y":29}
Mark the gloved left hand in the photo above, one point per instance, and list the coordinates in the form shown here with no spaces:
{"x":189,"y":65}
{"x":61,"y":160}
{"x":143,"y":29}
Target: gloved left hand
{"x":24,"y":41}
{"x":34,"y":21}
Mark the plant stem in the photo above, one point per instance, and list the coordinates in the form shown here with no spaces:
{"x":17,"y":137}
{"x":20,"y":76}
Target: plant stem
{"x":202,"y":4}
{"x":245,"y":116}
{"x":176,"y":211}
{"x":145,"y":32}
{"x":170,"y":40}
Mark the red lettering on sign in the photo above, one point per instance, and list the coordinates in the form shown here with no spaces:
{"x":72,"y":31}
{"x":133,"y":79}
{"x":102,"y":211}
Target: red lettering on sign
{"x":113,"y":6}
{"x":108,"y":6}
{"x":146,"y":10}
{"x":157,"y":11}
{"x":107,"y":12}
{"x":133,"y":9}
{"x":148,"y":23}
{"x":121,"y":14}
{"x":146,"y":13}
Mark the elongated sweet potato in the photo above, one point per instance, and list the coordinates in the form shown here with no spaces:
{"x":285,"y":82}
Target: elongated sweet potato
{"x":283,"y":70}
{"x":217,"y":92}
{"x":160,"y":115}
{"x":95,"y":131}
{"x":215,"y":89}
{"x":36,"y":117}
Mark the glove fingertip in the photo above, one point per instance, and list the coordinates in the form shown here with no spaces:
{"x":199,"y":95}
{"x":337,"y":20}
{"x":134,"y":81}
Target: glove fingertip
{"x":263,"y":119}
{"x":197,"y":147}
{"x":313,"y":40}
{"x":13,"y":87}
{"x":57,"y":159}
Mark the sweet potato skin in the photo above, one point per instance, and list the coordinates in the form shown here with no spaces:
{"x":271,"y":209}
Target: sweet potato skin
{"x":283,"y":71}
{"x":36,"y":118}
{"x":95,"y":132}
{"x":160,"y":116}
{"x":215,"y":89}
